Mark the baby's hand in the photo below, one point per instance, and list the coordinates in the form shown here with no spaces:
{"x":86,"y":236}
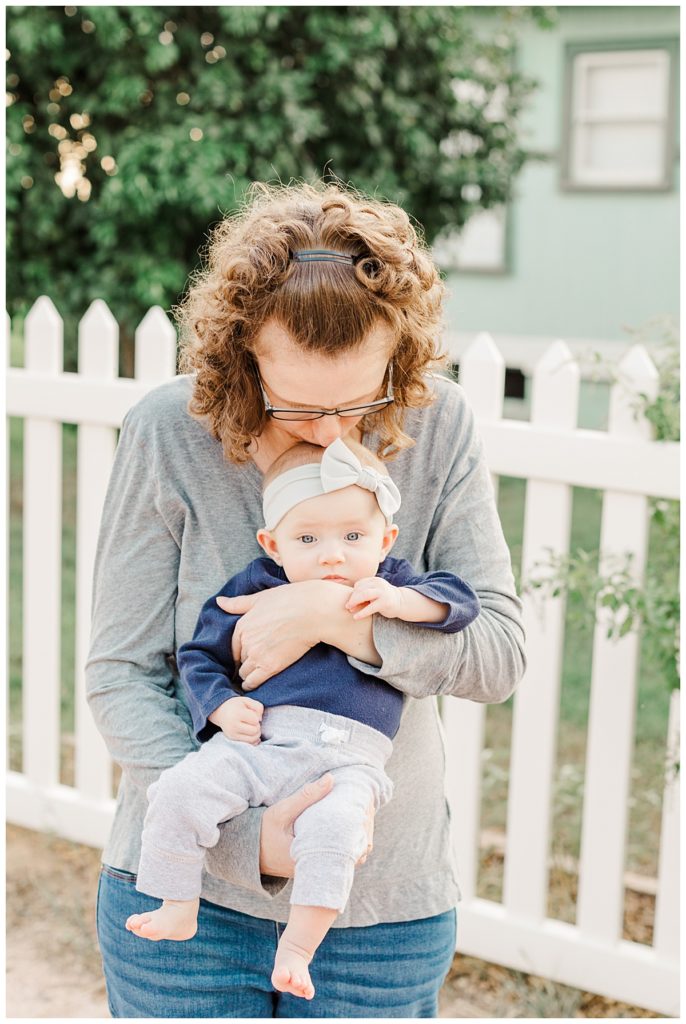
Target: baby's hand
{"x":374,"y":596}
{"x":239,"y":719}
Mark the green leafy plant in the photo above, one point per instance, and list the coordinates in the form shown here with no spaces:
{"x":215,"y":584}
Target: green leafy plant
{"x":612,"y":592}
{"x":130,"y":130}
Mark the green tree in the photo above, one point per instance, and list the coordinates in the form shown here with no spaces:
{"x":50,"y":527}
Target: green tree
{"x":132,"y":129}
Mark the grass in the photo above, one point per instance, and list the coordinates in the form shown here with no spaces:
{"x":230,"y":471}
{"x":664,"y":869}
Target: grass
{"x":653,"y":695}
{"x":494,"y":992}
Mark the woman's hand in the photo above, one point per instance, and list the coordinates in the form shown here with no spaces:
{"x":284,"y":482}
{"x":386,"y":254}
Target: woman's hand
{"x":276,"y":628}
{"x":280,"y":625}
{"x":277,"y":833}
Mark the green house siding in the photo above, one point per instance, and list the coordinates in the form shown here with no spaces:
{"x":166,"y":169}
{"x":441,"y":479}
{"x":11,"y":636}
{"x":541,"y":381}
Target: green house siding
{"x":580,"y":263}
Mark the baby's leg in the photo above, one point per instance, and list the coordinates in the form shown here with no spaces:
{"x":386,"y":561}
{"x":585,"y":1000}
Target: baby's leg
{"x":187,"y":803}
{"x":330,"y":837}
{"x":304,"y":933}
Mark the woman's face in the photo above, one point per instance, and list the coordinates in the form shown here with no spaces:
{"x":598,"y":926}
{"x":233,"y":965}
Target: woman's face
{"x":301,"y":380}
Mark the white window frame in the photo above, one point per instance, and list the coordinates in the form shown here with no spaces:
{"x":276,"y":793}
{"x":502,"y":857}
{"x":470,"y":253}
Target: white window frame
{"x":462,"y":250}
{"x":579,"y":115}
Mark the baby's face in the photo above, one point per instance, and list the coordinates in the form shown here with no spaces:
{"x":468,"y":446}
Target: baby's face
{"x":341,"y":536}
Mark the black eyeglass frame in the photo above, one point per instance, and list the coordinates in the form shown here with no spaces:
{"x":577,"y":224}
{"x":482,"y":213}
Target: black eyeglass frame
{"x":316,"y":414}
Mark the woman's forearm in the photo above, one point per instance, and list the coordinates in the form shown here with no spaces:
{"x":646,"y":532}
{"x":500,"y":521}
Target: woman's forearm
{"x":339,"y":629}
{"x":146,"y":729}
{"x":483,"y":663}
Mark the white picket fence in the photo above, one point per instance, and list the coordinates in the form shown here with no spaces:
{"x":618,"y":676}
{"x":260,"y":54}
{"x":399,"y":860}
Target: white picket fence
{"x":553,"y":455}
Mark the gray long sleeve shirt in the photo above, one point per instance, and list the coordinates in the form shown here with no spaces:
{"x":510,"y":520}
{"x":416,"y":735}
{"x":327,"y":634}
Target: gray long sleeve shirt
{"x":178,"y":521}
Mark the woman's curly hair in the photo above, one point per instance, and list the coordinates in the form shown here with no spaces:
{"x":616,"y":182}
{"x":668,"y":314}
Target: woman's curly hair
{"x":326,"y":307}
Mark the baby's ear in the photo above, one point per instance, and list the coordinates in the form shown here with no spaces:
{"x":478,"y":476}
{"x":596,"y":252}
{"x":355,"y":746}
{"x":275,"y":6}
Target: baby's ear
{"x":389,"y":538}
{"x":269,"y":545}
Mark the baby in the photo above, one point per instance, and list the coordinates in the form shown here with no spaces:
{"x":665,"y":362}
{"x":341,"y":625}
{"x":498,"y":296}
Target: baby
{"x":328,"y":515}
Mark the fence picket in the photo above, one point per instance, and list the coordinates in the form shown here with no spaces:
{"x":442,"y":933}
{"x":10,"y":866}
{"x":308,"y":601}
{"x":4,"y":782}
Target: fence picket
{"x":482,"y":375}
{"x":155,"y":358}
{"x":667,"y":905}
{"x":547,"y":520}
{"x":42,"y":559}
{"x":8,"y":512}
{"x":624,"y":527}
{"x":98,"y":359}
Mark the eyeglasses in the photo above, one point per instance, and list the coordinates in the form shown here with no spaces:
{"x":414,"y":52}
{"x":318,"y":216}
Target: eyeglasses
{"x":316,"y":414}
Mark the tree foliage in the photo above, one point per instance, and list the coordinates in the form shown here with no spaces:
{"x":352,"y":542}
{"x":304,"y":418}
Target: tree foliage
{"x":155,"y":119}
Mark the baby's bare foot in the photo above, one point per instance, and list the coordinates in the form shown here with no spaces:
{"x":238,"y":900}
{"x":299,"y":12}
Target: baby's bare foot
{"x":175,"y":919}
{"x":291,"y":972}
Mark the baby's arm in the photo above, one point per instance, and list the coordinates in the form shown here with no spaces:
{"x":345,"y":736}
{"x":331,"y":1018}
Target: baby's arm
{"x":376,"y":596}
{"x":435,"y":600}
{"x":207,"y":669}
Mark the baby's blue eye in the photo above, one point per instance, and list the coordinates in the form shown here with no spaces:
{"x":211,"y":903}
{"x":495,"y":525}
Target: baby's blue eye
{"x":307,"y":538}
{"x":353,"y":536}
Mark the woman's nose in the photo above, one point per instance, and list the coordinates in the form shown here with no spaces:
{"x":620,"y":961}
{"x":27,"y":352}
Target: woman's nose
{"x":326,"y":430}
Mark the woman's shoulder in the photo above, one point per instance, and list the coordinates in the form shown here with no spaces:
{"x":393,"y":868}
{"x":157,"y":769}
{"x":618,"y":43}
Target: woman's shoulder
{"x":445,"y":439}
{"x":162,"y":413}
{"x":449,"y":396}
{"x":446,"y":417}
{"x":167,"y":399}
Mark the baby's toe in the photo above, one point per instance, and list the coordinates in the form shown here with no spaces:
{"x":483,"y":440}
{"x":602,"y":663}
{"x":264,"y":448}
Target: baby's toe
{"x":302,"y":984}
{"x":306,"y":987}
{"x":281,"y":976}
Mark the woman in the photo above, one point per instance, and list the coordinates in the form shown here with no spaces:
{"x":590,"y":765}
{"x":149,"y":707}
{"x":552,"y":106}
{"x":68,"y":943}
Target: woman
{"x":316,"y":317}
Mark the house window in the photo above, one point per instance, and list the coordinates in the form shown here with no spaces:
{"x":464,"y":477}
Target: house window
{"x":479,"y":246}
{"x":619,"y":119}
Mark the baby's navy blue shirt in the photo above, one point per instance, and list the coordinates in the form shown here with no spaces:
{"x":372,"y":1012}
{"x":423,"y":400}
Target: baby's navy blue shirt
{"x":323,"y":678}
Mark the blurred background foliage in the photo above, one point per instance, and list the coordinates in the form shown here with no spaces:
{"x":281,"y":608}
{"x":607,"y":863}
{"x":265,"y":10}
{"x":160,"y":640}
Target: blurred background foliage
{"x":131,"y":130}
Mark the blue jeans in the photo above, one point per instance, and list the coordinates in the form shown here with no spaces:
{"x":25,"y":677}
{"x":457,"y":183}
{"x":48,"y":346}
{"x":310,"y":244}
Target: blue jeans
{"x":385,"y":970}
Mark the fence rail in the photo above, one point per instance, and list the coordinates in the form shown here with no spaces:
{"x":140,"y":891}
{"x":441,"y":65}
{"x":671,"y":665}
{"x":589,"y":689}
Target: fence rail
{"x":552,"y":455}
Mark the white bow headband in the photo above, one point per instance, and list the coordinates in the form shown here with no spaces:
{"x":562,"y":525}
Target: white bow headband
{"x":339,"y":468}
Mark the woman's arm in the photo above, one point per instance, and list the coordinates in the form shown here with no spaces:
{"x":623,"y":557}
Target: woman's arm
{"x":279,"y":626}
{"x":486,"y":660}
{"x":129,"y":679}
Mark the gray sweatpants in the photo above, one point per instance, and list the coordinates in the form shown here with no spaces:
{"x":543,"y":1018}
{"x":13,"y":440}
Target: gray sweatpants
{"x":224,"y":777}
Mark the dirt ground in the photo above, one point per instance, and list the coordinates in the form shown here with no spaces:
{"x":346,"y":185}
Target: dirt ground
{"x":54,"y":971}
{"x":51,"y":888}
